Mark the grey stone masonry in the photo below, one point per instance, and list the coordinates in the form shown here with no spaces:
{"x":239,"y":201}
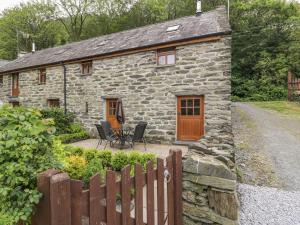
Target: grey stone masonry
{"x":148,"y":91}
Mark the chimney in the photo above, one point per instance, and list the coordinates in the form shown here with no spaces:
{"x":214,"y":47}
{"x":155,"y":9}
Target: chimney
{"x":198,"y":8}
{"x":33,"y":47}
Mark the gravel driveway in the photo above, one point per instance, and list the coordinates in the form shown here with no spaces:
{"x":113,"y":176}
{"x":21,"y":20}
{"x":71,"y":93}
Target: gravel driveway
{"x":281,"y":140}
{"x":268,"y":206}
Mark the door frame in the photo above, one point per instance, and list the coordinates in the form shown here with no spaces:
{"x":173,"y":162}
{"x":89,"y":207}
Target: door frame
{"x":12,"y":84}
{"x":177,"y":116}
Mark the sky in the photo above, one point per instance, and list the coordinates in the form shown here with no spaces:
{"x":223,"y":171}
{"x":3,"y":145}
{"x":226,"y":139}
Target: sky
{"x":10,"y":3}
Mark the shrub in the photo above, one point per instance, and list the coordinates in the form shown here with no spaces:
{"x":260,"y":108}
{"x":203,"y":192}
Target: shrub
{"x":73,"y":150}
{"x":94,"y":166}
{"x":62,"y":121}
{"x":134,"y":157}
{"x":106,"y":157}
{"x":91,"y":154}
{"x":69,"y":138}
{"x":26,"y":145}
{"x":146,"y":157}
{"x":76,"y":128}
{"x":76,"y":166}
{"x":119,"y":160}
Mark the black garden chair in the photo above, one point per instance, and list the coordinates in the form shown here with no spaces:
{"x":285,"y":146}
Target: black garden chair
{"x":105,"y":136}
{"x":138,"y":135}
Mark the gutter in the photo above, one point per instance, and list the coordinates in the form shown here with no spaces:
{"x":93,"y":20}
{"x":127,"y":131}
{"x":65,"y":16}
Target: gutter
{"x":65,"y":86}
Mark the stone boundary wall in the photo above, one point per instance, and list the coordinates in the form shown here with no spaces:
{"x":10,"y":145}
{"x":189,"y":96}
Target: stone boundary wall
{"x":209,"y":186}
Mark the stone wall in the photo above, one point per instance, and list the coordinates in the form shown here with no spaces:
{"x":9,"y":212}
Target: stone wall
{"x":148,"y":91}
{"x":209,"y":186}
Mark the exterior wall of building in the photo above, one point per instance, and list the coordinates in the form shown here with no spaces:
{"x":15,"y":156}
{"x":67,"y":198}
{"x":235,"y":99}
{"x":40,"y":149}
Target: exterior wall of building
{"x":148,"y":91}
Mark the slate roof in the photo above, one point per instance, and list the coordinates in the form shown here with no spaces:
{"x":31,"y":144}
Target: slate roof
{"x":209,"y":23}
{"x":3,"y":62}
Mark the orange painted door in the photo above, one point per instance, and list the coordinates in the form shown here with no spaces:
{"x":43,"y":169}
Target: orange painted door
{"x":111,"y":106}
{"x":15,"y":85}
{"x":190,"y":118}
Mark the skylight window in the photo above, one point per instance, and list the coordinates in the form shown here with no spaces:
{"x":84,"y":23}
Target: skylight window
{"x":173,"y":28}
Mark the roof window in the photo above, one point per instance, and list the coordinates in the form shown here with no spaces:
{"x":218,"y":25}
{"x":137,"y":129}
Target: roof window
{"x":173,"y":28}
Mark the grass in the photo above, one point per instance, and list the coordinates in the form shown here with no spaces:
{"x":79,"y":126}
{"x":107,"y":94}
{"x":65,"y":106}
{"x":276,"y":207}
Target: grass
{"x":284,"y":107}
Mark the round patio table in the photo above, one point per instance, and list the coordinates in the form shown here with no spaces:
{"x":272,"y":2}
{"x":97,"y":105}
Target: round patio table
{"x":122,"y":133}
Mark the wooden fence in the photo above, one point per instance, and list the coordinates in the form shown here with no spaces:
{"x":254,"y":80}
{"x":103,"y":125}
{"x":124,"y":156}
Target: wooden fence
{"x":293,"y":86}
{"x":149,"y":198}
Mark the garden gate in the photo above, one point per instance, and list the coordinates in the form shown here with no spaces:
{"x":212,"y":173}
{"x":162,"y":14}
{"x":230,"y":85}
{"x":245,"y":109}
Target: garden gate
{"x":149,"y":198}
{"x":293,"y":86}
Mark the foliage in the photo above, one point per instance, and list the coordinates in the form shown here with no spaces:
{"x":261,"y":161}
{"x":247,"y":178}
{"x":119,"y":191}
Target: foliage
{"x":265,"y":44}
{"x":94,"y":166}
{"x":63,"y":122}
{"x":146,"y":157}
{"x":106,"y":157}
{"x":73,"y":137}
{"x":25,"y":150}
{"x":119,"y":160}
{"x":76,"y":166}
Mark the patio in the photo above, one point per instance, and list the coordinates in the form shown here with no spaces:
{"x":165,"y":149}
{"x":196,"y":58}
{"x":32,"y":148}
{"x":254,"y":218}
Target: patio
{"x":160,"y":150}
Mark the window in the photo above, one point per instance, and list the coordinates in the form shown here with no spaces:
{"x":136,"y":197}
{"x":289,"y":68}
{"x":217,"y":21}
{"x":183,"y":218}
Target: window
{"x":190,"y":107}
{"x":15,"y":85}
{"x":166,"y":56}
{"x":86,"y":67}
{"x":112,"y":107}
{"x":53,"y":103}
{"x":42,"y":76}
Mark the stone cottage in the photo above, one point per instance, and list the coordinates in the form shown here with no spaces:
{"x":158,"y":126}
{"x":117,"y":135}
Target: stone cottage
{"x":174,"y":75}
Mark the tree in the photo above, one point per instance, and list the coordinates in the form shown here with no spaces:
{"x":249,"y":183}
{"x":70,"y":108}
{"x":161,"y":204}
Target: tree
{"x":73,"y":14}
{"x":26,"y":23}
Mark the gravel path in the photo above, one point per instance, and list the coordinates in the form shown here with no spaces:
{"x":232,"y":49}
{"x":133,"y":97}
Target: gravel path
{"x":268,"y":206}
{"x":281,"y":140}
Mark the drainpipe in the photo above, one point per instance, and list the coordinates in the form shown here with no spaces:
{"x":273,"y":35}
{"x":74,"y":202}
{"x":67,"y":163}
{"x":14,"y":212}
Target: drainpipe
{"x":65,"y":86}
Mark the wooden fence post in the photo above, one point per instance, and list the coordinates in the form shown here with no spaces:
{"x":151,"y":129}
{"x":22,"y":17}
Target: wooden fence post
{"x":60,"y":198}
{"x":177,"y":173}
{"x":42,"y":215}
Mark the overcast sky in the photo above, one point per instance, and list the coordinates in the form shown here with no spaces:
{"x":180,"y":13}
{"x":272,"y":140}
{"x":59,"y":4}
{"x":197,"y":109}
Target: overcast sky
{"x":10,"y":3}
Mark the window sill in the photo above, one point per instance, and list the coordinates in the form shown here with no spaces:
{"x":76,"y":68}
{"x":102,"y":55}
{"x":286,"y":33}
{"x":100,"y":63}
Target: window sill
{"x":164,"y":66}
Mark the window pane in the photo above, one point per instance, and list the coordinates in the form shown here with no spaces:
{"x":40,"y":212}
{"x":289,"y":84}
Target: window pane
{"x":197,"y":111}
{"x":197,"y":102}
{"x":190,"y":111}
{"x":162,"y":60}
{"x":183,"y":103}
{"x":190,"y":102}
{"x":171,"y":59}
{"x":183,"y":111}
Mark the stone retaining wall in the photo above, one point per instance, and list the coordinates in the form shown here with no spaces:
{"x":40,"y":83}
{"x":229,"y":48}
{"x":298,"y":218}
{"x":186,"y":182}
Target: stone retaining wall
{"x":209,"y":186}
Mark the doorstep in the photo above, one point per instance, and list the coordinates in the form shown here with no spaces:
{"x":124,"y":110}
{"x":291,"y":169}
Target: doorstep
{"x":185,"y":143}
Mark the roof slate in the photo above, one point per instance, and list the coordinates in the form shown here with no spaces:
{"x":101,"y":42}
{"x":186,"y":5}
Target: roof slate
{"x":3,"y":62}
{"x":206,"y":24}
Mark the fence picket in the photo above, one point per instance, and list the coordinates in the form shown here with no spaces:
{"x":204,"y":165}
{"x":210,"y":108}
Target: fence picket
{"x":160,"y":192}
{"x":138,"y":194}
{"x":76,"y":198}
{"x":95,"y":200}
{"x":111,"y":218}
{"x":150,"y":193}
{"x":170,"y":191}
{"x":125,"y":193}
{"x":60,"y":199}
{"x":177,"y":174}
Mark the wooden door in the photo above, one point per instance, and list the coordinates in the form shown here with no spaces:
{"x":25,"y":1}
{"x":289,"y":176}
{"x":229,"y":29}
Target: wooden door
{"x":15,"y":85}
{"x":111,"y":107}
{"x":190,"y":118}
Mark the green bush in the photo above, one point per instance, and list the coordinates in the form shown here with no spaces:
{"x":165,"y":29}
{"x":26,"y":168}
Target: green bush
{"x":106,"y":157}
{"x":94,"y":166}
{"x":91,"y":154}
{"x":73,"y":150}
{"x":119,"y":160}
{"x":70,"y":138}
{"x":134,"y":157}
{"x":62,"y":121}
{"x":76,"y":167}
{"x":146,"y":157}
{"x":26,"y":145}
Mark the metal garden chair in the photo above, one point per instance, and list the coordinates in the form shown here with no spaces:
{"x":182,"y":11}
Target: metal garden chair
{"x":104,"y":136}
{"x":138,"y":135}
